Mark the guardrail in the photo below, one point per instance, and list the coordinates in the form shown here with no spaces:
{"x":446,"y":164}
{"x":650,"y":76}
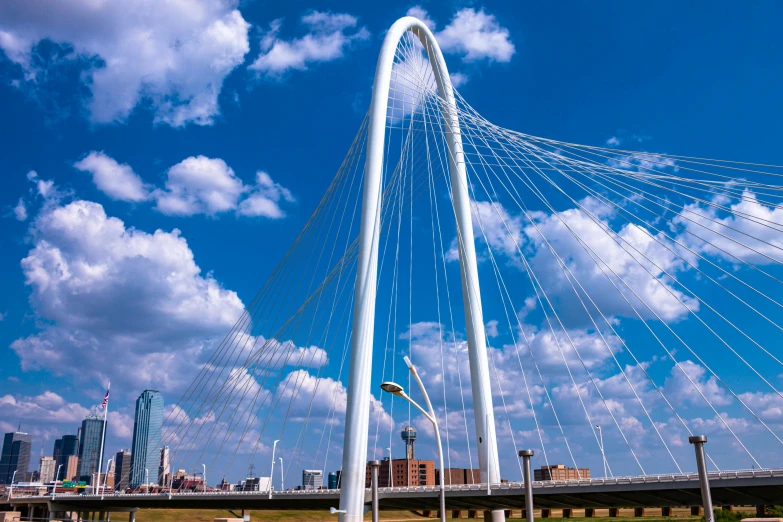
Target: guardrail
{"x":643,"y":479}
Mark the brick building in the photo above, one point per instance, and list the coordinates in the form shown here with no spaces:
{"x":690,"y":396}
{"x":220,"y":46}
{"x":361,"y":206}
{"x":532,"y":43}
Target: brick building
{"x":404,"y":472}
{"x":456,"y":476}
{"x":560,"y":472}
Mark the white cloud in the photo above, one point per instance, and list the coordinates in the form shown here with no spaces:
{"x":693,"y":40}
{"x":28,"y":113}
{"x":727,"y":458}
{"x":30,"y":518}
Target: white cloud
{"x":680,"y":391}
{"x":634,"y":259}
{"x":118,"y":300}
{"x":118,"y":181}
{"x":476,"y":35}
{"x":20,"y":210}
{"x":769,"y":406}
{"x":47,"y":407}
{"x":174,"y":55}
{"x":748,"y":230}
{"x":328,"y":37}
{"x":199,"y":185}
{"x":264,"y":198}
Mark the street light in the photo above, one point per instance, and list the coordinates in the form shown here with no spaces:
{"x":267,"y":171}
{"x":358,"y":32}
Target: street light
{"x":105,"y":477}
{"x":399,"y":391}
{"x":147,"y":479}
{"x":282,"y":479}
{"x":204,"y":476}
{"x":56,"y":476}
{"x":391,"y":477}
{"x":11,"y":489}
{"x":272,"y":471}
{"x":603,"y":454}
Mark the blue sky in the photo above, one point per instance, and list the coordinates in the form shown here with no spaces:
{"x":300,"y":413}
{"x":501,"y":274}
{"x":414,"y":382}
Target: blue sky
{"x":93,"y":100}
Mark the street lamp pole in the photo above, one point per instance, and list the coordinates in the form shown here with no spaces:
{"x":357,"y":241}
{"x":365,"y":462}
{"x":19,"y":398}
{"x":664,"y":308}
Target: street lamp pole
{"x":603,"y":453}
{"x":105,"y":477}
{"x":147,"y":479}
{"x":56,"y":477}
{"x":399,"y":391}
{"x":272,"y":471}
{"x":391,"y":476}
{"x":204,"y":476}
{"x":282,"y":478}
{"x":11,"y":489}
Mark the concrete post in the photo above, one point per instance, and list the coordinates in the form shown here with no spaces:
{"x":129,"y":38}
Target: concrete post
{"x":666,"y":511}
{"x":245,"y":515}
{"x":132,"y":516}
{"x":706,"y":499}
{"x":613,"y":512}
{"x":589,"y":512}
{"x":567,"y":513}
{"x":374,"y":465}
{"x":528,"y":478}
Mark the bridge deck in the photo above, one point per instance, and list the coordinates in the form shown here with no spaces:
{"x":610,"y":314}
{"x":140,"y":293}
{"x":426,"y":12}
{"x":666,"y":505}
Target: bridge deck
{"x":728,"y":488}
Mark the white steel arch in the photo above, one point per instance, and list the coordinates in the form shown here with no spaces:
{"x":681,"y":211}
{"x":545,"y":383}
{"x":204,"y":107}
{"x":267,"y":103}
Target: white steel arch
{"x":359,"y":379}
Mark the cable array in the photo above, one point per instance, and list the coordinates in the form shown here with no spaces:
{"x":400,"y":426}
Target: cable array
{"x":625,"y":291}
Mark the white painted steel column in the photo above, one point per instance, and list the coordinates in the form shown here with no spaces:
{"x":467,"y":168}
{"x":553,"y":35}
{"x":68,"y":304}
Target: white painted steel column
{"x":358,"y":407}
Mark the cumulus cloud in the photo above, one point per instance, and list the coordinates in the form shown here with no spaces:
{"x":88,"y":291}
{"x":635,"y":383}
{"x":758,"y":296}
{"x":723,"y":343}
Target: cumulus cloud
{"x":201,"y":185}
{"x":476,"y":35}
{"x":747,"y":229}
{"x":619,"y":269}
{"x":329,"y":36}
{"x":174,"y":55}
{"x":46,"y":407}
{"x":264,"y":198}
{"x":195,"y":185}
{"x":118,"y":181}
{"x":118,"y":299}
{"x":681,"y":391}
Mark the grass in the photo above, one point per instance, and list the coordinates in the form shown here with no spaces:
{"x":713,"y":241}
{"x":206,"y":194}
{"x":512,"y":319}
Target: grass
{"x":196,"y":515}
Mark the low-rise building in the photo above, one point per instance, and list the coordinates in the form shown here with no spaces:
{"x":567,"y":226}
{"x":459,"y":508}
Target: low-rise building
{"x":458,"y":476}
{"x":404,"y":473}
{"x":560,"y":472}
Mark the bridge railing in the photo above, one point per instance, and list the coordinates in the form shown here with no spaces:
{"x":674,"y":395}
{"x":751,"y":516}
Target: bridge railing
{"x":643,"y":479}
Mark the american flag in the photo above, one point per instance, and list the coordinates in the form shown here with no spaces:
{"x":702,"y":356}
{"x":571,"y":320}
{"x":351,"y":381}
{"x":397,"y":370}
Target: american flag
{"x":105,"y":400}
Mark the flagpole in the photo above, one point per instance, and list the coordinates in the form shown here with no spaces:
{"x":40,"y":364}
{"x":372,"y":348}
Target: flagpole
{"x":103,"y":436}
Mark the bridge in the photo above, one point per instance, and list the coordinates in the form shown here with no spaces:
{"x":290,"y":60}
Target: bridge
{"x":751,"y":487}
{"x":579,"y":294}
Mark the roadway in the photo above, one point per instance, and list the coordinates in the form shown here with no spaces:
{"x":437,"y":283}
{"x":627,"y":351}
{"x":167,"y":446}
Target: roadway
{"x":757,"y":487}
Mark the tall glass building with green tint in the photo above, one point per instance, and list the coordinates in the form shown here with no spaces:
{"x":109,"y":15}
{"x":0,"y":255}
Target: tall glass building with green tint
{"x":145,"y":453}
{"x":90,"y":447}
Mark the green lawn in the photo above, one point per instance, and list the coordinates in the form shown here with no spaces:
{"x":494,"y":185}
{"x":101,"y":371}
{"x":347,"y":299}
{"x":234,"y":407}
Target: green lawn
{"x":172,"y":515}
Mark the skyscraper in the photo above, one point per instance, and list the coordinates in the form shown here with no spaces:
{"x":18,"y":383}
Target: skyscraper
{"x":90,"y":447}
{"x":122,"y":466}
{"x":64,"y":447}
{"x":15,"y":456}
{"x":46,"y":472}
{"x":146,"y":436}
{"x":164,"y":471}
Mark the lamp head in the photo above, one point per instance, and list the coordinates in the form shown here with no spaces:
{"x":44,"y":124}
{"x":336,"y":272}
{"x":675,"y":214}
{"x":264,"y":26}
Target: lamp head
{"x":335,"y":510}
{"x":393,"y":388}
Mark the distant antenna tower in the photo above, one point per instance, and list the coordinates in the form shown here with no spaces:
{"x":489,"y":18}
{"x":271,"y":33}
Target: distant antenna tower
{"x":251,"y":472}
